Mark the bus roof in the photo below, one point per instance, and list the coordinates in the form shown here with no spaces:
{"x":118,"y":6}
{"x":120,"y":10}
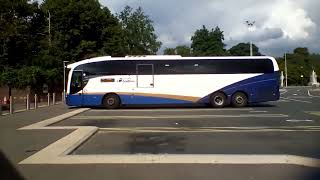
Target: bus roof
{"x":167,"y":57}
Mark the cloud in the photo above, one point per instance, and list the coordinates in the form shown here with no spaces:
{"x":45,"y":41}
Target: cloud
{"x":280,"y":25}
{"x":292,"y":19}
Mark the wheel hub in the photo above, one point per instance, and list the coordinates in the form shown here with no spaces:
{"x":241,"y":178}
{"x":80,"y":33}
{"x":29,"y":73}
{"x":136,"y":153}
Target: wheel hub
{"x":239,"y":100}
{"x":110,"y":101}
{"x":218,"y":100}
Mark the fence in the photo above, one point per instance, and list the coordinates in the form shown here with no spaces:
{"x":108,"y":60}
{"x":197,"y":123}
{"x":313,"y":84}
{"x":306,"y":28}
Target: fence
{"x":24,"y":103}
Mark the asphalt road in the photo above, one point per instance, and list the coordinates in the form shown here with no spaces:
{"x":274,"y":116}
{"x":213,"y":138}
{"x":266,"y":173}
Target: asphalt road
{"x":177,"y":143}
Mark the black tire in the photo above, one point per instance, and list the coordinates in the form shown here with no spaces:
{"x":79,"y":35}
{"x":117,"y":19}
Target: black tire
{"x":239,"y":99}
{"x":111,"y":101}
{"x":218,"y":100}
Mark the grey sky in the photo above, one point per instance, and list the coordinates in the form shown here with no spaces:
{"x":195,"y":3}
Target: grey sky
{"x":281,"y":25}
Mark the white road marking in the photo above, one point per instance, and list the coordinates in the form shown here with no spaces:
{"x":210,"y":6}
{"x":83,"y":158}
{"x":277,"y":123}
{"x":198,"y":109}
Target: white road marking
{"x":296,"y":100}
{"x":64,"y":145}
{"x":258,"y":111}
{"x":184,"y":159}
{"x":299,"y":120}
{"x":295,"y":94}
{"x":281,"y":100}
{"x":170,"y":110}
{"x":311,"y":94}
{"x":179,"y":116}
{"x":283,"y":91}
{"x":47,"y":122}
{"x":298,"y":97}
{"x":209,"y":129}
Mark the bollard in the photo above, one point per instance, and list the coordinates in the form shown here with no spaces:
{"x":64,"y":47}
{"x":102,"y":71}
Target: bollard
{"x":28,"y":102}
{"x":48,"y":99}
{"x":11,"y":105}
{"x":35,"y":101}
{"x":53,"y":98}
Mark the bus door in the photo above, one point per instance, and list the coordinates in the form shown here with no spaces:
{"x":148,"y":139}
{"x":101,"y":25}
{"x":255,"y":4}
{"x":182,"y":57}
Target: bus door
{"x":76,"y":87}
{"x":145,"y":78}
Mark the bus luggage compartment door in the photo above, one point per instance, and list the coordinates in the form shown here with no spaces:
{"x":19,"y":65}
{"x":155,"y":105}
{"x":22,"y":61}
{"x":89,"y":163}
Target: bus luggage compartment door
{"x":145,"y":78}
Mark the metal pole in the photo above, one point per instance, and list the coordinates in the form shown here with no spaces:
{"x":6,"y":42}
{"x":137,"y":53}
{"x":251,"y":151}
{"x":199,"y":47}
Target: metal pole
{"x":64,"y":81}
{"x":28,"y":102}
{"x":250,"y":25}
{"x":285,"y":68}
{"x":49,"y":27}
{"x":53,"y":98}
{"x":48,"y":99}
{"x":250,"y":48}
{"x":35,"y":101}
{"x":11,"y":105}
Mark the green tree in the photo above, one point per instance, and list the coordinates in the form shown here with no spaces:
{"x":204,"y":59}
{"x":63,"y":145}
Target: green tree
{"x":179,"y":50}
{"x":208,"y":43}
{"x":243,"y":49}
{"x":83,"y":29}
{"x":300,"y":65}
{"x":183,"y":50}
{"x":302,"y":51}
{"x":15,"y":38}
{"x":169,"y":51}
{"x":139,"y":35}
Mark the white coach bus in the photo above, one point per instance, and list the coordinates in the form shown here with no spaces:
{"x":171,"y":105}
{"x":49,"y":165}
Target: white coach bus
{"x":218,"y":81}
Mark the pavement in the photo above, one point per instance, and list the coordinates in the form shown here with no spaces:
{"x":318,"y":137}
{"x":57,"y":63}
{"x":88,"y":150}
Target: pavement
{"x":274,"y":140}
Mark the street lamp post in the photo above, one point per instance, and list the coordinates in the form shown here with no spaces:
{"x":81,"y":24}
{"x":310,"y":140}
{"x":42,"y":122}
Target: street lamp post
{"x":285,"y":68}
{"x":250,"y":26}
{"x":49,"y":27}
{"x":64,"y":80}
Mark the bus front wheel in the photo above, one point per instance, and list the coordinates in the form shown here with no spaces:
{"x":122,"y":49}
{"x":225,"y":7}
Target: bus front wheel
{"x":218,"y":100}
{"x":239,"y":99}
{"x":111,"y":101}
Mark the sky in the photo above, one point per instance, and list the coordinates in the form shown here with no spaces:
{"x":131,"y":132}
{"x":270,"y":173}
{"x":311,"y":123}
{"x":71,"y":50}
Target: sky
{"x":280,"y":25}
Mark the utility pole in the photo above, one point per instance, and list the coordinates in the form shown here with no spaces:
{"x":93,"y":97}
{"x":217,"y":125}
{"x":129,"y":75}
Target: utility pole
{"x":250,"y":26}
{"x":285,"y":68}
{"x":49,"y":27}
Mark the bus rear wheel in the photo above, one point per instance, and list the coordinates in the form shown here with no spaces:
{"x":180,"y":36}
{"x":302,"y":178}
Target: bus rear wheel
{"x":218,"y":100}
{"x":239,"y":99}
{"x":111,"y":101}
